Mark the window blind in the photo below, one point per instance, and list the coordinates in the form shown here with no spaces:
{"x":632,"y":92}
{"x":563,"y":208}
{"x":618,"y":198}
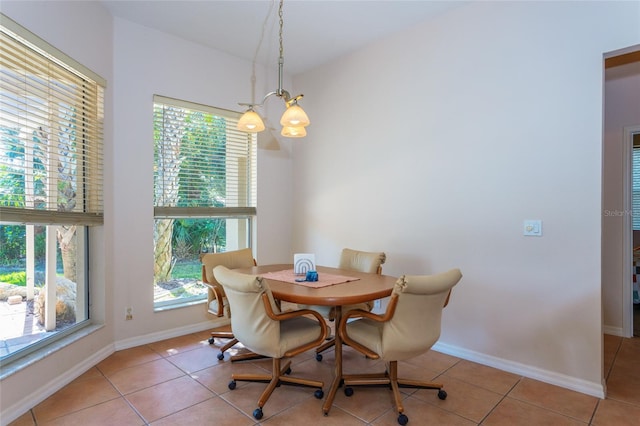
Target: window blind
{"x":203,"y":166}
{"x":51,"y":131}
{"x":635,"y":202}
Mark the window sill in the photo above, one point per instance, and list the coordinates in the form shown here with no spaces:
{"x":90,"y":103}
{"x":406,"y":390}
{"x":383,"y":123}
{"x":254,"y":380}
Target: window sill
{"x":178,"y":305}
{"x":21,"y":363}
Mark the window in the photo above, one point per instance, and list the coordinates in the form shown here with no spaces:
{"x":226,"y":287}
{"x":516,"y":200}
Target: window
{"x":204,"y":194}
{"x":51,"y":115}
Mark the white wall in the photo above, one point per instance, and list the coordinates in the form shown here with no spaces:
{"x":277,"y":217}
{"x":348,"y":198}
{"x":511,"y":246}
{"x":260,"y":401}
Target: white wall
{"x":60,"y":24}
{"x":434,"y":145}
{"x":622,"y":109}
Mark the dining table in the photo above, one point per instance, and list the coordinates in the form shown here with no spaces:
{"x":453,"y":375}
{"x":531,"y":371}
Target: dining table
{"x":335,"y":287}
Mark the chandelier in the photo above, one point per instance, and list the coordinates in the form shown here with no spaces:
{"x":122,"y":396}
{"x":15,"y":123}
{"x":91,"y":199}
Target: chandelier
{"x":293,"y":120}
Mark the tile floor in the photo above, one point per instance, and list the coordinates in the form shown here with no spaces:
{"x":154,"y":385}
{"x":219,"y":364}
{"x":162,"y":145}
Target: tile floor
{"x":181,"y":382}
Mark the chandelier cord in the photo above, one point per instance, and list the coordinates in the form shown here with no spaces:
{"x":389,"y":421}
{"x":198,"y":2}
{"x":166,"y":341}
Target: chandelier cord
{"x":257,"y":51}
{"x":281,"y":93}
{"x":281,"y":25}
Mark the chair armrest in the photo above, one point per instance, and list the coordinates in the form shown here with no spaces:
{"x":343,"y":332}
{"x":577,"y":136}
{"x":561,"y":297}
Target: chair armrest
{"x":290,"y":313}
{"x":446,"y":302}
{"x":219,"y":297}
{"x":298,"y":313}
{"x":359,"y":313}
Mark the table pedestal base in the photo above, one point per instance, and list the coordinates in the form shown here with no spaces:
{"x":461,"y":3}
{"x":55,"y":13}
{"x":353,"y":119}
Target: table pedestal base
{"x":337,"y":380}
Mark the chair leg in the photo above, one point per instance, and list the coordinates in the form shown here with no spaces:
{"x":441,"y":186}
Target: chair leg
{"x":279,"y":375}
{"x":244,"y":356}
{"x":229,"y":335}
{"x":390,"y":377}
{"x":393,"y":379}
{"x":228,"y":345}
{"x":220,"y":335}
{"x":407,"y":383}
{"x":275,"y":379}
{"x":326,"y":345}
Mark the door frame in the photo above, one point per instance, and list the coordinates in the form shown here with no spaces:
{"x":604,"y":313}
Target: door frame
{"x":627,"y":238}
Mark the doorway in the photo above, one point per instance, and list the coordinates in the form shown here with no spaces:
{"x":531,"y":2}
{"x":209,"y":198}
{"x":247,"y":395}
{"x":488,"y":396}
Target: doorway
{"x":622,"y":122}
{"x":631,"y":259}
{"x":632,"y":135}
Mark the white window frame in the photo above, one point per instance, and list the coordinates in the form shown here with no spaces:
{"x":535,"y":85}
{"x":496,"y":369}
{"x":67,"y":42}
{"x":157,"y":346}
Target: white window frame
{"x":33,"y":71}
{"x":240,"y":191}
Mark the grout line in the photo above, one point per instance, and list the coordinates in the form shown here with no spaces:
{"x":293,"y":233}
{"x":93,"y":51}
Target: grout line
{"x":613,"y":361}
{"x":135,"y":410}
{"x":501,"y":399}
{"x":595,"y":409}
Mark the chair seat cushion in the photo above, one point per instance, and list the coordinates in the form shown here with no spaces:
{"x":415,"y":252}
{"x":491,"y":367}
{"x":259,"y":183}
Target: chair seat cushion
{"x":400,"y":344}
{"x":294,"y":332}
{"x":366,"y":332}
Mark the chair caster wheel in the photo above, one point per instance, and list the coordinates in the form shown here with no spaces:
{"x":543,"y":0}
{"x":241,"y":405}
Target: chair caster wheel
{"x":232,"y":384}
{"x":318,"y":357}
{"x":442,"y":394}
{"x":348,"y":391}
{"x":318,"y":394}
{"x":402,"y":419}
{"x":211,"y":340}
{"x":220,"y":356}
{"x":257,"y":413}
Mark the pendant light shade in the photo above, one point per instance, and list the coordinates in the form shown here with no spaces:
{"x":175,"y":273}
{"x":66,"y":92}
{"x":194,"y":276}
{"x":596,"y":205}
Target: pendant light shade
{"x":250,"y":122}
{"x":294,"y":132}
{"x":294,"y":116}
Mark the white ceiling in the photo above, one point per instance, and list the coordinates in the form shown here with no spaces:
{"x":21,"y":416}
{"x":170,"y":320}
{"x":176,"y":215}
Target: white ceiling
{"x":315,"y":31}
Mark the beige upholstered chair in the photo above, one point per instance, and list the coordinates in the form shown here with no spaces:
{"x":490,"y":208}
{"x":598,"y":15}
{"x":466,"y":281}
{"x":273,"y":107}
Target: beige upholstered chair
{"x":216,"y":301}
{"x":353,"y":260}
{"x":259,"y":324}
{"x":408,"y":328}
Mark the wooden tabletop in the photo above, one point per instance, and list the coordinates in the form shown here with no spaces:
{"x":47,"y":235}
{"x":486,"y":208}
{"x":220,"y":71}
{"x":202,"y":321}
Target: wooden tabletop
{"x":370,"y":286}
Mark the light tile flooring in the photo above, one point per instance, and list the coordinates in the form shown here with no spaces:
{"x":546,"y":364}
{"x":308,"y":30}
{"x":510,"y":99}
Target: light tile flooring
{"x":181,"y":382}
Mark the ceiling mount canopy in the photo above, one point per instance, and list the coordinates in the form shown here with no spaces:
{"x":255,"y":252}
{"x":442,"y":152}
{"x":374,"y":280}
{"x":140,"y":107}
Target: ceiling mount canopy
{"x":294,"y":119}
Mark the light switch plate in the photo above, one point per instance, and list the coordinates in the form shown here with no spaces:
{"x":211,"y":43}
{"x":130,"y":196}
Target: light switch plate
{"x":533,"y":228}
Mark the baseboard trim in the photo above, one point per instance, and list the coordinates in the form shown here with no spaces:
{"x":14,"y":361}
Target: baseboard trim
{"x":614,"y":331}
{"x":551,"y":377}
{"x":44,"y":392}
{"x":168,"y":334}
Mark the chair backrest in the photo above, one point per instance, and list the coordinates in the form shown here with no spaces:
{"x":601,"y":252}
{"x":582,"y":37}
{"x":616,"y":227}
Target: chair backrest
{"x":362,"y":261}
{"x":242,"y":258}
{"x":250,"y":323}
{"x":415,"y":325}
